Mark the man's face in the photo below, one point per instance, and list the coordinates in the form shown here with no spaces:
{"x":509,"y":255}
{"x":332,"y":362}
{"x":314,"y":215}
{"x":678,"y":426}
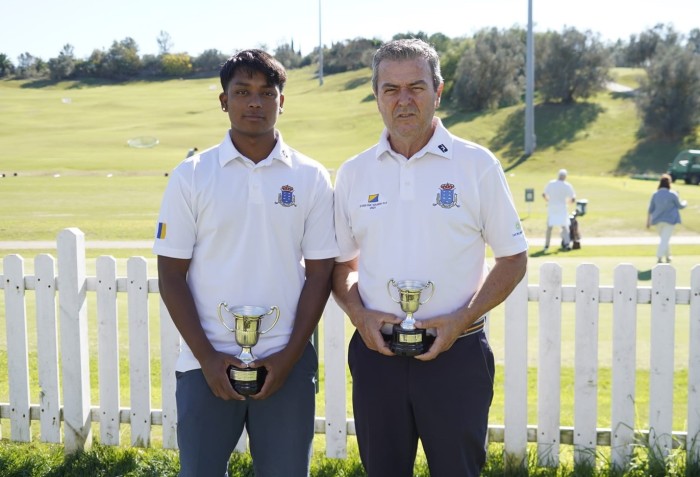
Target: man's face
{"x":252,"y":104}
{"x":406,"y":97}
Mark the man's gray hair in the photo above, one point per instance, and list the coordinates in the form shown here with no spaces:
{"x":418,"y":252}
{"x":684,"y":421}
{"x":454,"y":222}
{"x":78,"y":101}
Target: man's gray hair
{"x":407,"y":49}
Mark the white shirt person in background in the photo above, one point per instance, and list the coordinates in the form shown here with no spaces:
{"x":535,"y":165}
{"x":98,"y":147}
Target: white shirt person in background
{"x":558,"y":193}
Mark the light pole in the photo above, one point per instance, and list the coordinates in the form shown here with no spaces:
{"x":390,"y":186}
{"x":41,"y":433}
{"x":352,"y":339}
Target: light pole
{"x":530,"y":140}
{"x":320,"y":48}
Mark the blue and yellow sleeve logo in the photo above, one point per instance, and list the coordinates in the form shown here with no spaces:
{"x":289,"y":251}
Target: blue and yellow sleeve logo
{"x":373,"y":198}
{"x":160,"y":233}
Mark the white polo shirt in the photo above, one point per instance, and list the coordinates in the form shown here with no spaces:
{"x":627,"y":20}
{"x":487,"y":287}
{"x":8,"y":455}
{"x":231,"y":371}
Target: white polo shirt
{"x":247,"y":228}
{"x":559,"y":193}
{"x":427,"y":218}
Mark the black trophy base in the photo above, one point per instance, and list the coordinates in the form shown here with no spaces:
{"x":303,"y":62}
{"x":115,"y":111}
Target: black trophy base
{"x":247,"y":381}
{"x":407,"y":342}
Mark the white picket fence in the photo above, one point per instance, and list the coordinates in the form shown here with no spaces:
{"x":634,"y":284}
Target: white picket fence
{"x":67,"y":289}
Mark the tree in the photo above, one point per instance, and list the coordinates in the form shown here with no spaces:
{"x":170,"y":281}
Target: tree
{"x":410,"y":36}
{"x":179,"y":64}
{"x":571,"y":65}
{"x":490,"y":73}
{"x":122,"y":60}
{"x":694,"y":41}
{"x":349,"y":55}
{"x":209,"y":61}
{"x":641,"y":49}
{"x":29,"y":66}
{"x":286,"y":55}
{"x":669,"y":96}
{"x":6,"y":66}
{"x":63,"y":66}
{"x":164,"y":42}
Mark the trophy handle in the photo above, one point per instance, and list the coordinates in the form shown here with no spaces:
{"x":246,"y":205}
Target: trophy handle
{"x":221,"y":318}
{"x":273,"y":308}
{"x":432,"y":292}
{"x":388,"y":288}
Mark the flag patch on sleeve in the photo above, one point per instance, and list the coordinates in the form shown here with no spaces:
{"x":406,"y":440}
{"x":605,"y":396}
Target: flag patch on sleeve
{"x":160,"y":233}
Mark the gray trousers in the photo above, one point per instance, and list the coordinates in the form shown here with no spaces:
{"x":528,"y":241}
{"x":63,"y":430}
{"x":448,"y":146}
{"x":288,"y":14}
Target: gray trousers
{"x":280,"y":428}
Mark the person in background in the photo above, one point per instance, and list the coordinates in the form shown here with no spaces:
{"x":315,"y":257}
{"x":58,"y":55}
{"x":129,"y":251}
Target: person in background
{"x":422,"y":204}
{"x":664,"y":213}
{"x":191,"y":152}
{"x":249,"y":223}
{"x":558,"y":193}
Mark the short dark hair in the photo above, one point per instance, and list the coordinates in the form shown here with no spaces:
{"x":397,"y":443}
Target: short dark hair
{"x":407,"y":49}
{"x":254,"y":61}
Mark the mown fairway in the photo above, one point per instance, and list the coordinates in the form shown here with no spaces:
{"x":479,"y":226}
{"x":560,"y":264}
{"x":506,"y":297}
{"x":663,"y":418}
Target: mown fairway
{"x":67,"y":143}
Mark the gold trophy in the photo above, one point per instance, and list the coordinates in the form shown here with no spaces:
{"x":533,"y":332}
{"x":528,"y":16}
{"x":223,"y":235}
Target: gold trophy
{"x":406,"y":340}
{"x":246,"y":330}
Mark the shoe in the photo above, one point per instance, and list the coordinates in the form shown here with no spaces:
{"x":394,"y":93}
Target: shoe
{"x":658,"y":260}
{"x":668,"y":259}
{"x":546,"y":247}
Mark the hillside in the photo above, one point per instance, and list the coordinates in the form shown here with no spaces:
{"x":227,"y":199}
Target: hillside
{"x":67,"y":145}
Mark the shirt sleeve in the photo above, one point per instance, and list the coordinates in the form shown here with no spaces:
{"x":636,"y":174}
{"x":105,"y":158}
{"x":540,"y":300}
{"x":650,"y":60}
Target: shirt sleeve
{"x":347,"y":245}
{"x":502,"y":229}
{"x":176,"y":229}
{"x":319,"y":234}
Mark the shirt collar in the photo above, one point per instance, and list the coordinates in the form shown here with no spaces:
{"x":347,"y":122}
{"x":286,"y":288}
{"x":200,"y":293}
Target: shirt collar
{"x":228,"y":152}
{"x":440,"y":144}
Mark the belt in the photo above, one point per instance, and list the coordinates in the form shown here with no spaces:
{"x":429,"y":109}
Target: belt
{"x":475,"y":327}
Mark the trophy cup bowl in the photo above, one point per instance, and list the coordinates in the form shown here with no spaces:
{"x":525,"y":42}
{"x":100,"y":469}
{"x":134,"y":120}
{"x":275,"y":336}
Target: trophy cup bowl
{"x":406,"y":340}
{"x":246,"y":330}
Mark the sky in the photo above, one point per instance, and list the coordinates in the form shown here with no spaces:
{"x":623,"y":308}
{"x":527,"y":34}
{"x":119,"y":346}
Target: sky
{"x":43,"y":27}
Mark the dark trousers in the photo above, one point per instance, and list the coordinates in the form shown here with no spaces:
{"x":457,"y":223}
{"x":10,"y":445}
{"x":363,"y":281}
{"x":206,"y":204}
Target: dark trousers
{"x":280,"y":428}
{"x":443,"y":402}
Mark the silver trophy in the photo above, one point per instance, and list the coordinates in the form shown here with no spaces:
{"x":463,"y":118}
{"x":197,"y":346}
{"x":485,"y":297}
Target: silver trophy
{"x":406,"y":340}
{"x":246,"y":330}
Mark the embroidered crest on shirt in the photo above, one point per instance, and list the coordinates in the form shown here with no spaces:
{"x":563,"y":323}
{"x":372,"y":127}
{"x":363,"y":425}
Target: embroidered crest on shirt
{"x":442,"y":147}
{"x":286,"y":196}
{"x":446,"y":197}
{"x":373,"y":201}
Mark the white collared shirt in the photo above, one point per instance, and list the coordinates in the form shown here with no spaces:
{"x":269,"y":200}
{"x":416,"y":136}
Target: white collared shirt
{"x":247,"y":228}
{"x":427,"y":218}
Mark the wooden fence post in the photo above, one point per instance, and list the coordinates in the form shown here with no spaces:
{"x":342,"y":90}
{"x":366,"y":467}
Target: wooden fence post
{"x":515,"y":377}
{"x":17,"y":349}
{"x":663,"y":327}
{"x":47,"y":340}
{"x":692,"y":443}
{"x":334,"y":363}
{"x":139,"y":351}
{"x":75,"y":357}
{"x":549,"y":370}
{"x":108,"y":349}
{"x":586,"y":364}
{"x":624,"y":364}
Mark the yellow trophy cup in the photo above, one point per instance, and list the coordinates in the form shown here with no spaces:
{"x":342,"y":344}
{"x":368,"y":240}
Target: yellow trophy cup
{"x":246,"y":330}
{"x":406,"y":339}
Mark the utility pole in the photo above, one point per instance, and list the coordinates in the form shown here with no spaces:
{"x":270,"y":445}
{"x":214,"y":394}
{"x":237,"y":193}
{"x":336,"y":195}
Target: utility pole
{"x":320,"y":48}
{"x":530,"y":139}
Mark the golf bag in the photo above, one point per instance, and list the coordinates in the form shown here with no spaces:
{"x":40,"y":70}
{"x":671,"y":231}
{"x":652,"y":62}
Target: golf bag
{"x":574,"y":234}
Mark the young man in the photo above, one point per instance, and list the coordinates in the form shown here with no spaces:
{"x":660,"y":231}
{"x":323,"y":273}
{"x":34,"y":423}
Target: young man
{"x":421,"y":205}
{"x":558,"y":193}
{"x":250,"y":223}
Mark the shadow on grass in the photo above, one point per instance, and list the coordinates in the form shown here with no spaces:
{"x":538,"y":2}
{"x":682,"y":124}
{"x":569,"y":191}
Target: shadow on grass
{"x":651,"y":156}
{"x":557,"y":125}
{"x":78,"y":83}
{"x":357,"y":82}
{"x":644,"y":275}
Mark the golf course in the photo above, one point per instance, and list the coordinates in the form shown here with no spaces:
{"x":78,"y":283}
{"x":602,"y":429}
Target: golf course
{"x":97,"y":156}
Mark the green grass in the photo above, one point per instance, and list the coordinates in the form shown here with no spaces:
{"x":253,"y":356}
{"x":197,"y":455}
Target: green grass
{"x":74,"y":169}
{"x":84,"y":141}
{"x":44,"y":460}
